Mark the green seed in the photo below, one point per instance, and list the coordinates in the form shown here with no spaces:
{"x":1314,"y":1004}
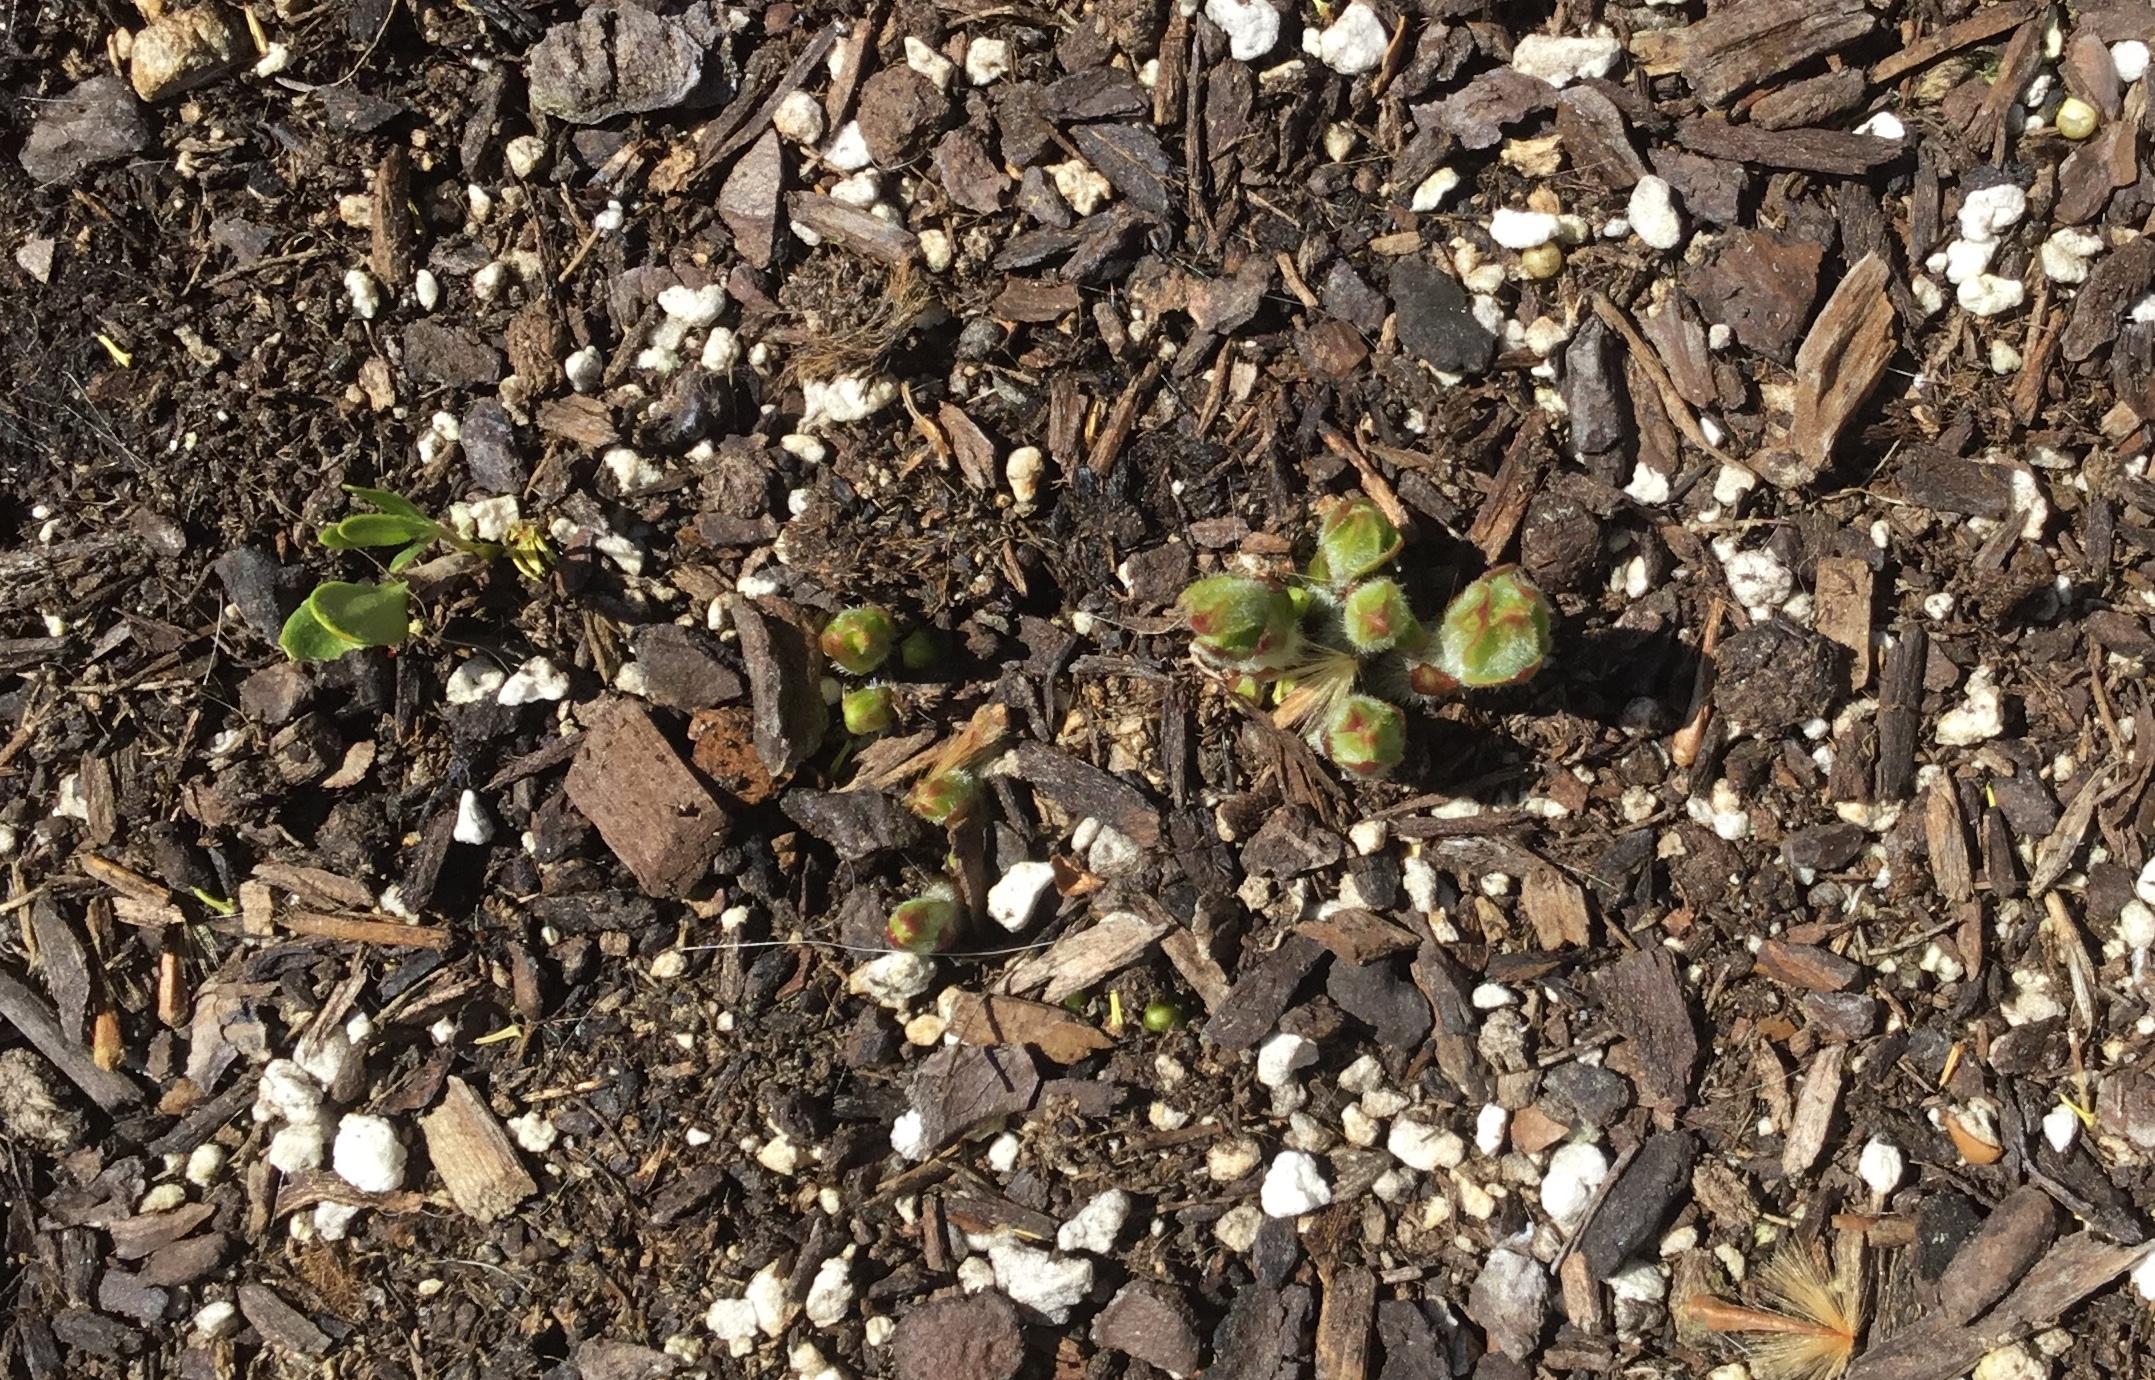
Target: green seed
{"x":1542,"y":261}
{"x":1162,"y":1016}
{"x":920,"y":649}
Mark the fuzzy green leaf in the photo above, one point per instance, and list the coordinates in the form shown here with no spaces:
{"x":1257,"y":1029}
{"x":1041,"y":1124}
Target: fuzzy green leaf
{"x":923,"y":925}
{"x":1238,"y":617}
{"x":858,"y":640}
{"x":1496,"y":632}
{"x":1366,"y":736}
{"x":1354,"y":539}
{"x":1376,"y":617}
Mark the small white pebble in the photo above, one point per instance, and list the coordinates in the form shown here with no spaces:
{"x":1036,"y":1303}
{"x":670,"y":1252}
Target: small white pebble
{"x":1352,"y":44}
{"x":426,"y":289}
{"x":1979,"y":717}
{"x":1252,"y":26}
{"x":1096,"y":1224}
{"x":1281,"y":1057}
{"x":2130,"y":58}
{"x":1575,"y":1172}
{"x":585,"y":369}
{"x":368,"y":1155}
{"x":535,"y":681}
{"x":365,"y":293}
{"x":473,"y":824}
{"x":986,"y":60}
{"x":204,"y":1163}
{"x":1294,"y":1185}
{"x":1653,"y":214}
{"x":1989,"y":211}
{"x":1987,"y":295}
{"x":1429,"y":194}
{"x":217,"y":1318}
{"x":2061,"y":1127}
{"x":928,"y":62}
{"x":523,"y":154}
{"x":1490,"y":1125}
{"x":1516,"y":229}
{"x":1880,"y":1165}
{"x":1560,"y":61}
{"x":1884,"y":125}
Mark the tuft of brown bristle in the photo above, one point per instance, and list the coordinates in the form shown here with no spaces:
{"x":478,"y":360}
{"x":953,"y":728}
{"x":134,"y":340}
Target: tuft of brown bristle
{"x":1810,"y":1326}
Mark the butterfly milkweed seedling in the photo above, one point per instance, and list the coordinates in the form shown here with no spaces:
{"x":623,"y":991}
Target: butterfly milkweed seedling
{"x":339,"y":616}
{"x":927,"y":924}
{"x":1343,"y":648}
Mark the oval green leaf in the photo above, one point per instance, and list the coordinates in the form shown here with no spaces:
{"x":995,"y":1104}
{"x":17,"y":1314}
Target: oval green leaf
{"x":303,"y":638}
{"x":387,"y":501}
{"x":363,"y":615}
{"x":381,"y":529}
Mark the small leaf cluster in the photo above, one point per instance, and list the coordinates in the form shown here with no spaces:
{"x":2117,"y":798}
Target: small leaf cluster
{"x":339,"y":616}
{"x":1343,"y":647}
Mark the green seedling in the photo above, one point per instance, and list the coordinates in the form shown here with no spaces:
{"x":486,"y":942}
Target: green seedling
{"x":1354,"y":539}
{"x":945,"y":797}
{"x":920,"y":650}
{"x":1366,"y":736}
{"x":858,"y":640}
{"x":926,"y":924}
{"x":1495,"y":633}
{"x":339,"y":617}
{"x":867,"y":710}
{"x":1376,"y":618}
{"x":1234,"y":618}
{"x":1340,"y":647}
{"x":949,"y":792}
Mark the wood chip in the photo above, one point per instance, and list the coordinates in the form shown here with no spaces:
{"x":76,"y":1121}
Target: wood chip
{"x":280,"y":1324}
{"x":1741,"y":45}
{"x":1815,"y":1109}
{"x":471,"y":1151}
{"x":1643,"y":995}
{"x":1807,"y":965}
{"x":1984,"y":24}
{"x":1060,"y":1036}
{"x":1831,"y":152}
{"x":1556,"y":907}
{"x":34,"y":1021}
{"x":649,"y":807}
{"x":1079,"y":960}
{"x":1350,"y":1299}
{"x":1844,"y":611}
{"x":853,"y":229}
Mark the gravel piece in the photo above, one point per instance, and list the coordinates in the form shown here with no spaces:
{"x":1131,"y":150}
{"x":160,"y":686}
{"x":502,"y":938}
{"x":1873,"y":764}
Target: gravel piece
{"x":94,"y":122}
{"x":613,"y":60}
{"x":1294,"y":1185}
{"x":1150,"y":1321}
{"x":972,"y":1337}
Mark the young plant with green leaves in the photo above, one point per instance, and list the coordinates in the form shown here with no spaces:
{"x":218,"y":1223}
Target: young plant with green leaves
{"x":858,"y":641}
{"x":340,"y":616}
{"x":1343,"y":647}
{"x":928,"y":923}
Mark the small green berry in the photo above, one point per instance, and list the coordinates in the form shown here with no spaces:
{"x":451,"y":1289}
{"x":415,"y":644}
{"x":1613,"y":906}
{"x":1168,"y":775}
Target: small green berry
{"x":867,"y":710}
{"x":1366,"y":736}
{"x":1162,"y":1016}
{"x":923,"y":925}
{"x":1237,"y":617}
{"x":859,"y":639}
{"x":1376,"y":616}
{"x":947,"y":797}
{"x":920,"y":649}
{"x":1496,"y":632}
{"x":1354,"y":538}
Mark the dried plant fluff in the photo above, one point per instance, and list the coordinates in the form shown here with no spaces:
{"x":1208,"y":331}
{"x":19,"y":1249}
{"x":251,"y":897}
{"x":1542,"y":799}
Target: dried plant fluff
{"x":1809,"y":1326}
